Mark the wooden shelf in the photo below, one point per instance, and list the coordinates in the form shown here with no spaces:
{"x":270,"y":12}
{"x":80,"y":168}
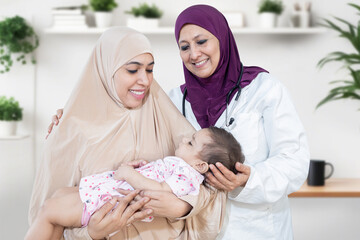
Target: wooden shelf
{"x":15,"y":137}
{"x":334,"y":187}
{"x":170,"y":31}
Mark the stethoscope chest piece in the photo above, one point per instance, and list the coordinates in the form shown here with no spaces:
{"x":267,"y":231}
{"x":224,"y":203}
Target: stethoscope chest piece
{"x":231,"y":125}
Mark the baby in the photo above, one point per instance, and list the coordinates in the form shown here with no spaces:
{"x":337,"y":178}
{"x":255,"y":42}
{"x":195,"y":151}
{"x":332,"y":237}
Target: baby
{"x":181,"y":174}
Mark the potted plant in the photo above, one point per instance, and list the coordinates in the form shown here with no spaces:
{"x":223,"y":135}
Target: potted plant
{"x":103,"y":12}
{"x":146,"y":16}
{"x":10,"y":114}
{"x":269,"y":11}
{"x":346,"y":88}
{"x":16,"y":37}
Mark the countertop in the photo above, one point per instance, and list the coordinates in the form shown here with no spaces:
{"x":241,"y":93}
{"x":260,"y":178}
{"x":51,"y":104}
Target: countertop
{"x":334,"y":187}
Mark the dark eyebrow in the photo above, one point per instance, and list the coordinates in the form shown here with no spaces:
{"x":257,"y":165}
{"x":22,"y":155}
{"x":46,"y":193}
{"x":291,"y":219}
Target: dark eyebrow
{"x":140,"y":64}
{"x":137,"y":63}
{"x":192,"y":39}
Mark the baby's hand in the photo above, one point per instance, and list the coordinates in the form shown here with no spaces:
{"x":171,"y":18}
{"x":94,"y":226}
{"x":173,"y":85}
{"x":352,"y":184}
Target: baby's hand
{"x":137,"y":163}
{"x":123,"y":171}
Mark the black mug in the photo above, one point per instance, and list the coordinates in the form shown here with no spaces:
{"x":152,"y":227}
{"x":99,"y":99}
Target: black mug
{"x":316,"y":175}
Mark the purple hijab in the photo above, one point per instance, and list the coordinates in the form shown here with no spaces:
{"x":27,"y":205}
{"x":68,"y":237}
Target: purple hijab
{"x":207,"y":96}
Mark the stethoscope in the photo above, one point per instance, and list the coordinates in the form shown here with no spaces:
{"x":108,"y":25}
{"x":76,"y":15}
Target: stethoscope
{"x":237,"y":87}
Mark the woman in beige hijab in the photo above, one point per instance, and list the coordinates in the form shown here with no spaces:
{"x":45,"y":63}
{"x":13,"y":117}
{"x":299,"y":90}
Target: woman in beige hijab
{"x":117,"y":113}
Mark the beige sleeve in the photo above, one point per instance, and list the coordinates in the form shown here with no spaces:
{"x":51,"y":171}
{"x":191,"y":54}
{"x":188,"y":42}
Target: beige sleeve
{"x":57,"y":169}
{"x":206,"y":218}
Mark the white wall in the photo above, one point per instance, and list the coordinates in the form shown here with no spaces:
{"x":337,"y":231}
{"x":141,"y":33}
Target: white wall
{"x":16,"y":156}
{"x":333,"y":130}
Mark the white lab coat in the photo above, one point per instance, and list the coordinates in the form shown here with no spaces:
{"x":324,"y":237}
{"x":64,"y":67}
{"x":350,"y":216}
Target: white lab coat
{"x":275,"y":147}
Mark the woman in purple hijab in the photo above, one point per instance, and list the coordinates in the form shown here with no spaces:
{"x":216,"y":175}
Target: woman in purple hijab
{"x":256,"y":108}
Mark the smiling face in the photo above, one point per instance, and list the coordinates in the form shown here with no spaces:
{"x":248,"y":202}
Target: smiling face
{"x":189,"y":150}
{"x":133,"y":80}
{"x":199,"y":50}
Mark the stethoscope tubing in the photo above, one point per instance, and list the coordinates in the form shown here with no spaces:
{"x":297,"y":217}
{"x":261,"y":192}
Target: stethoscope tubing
{"x":237,"y":87}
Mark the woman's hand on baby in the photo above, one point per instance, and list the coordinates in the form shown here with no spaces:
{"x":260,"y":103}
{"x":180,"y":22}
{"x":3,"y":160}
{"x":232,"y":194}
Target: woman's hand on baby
{"x":164,"y":204}
{"x":55,"y":120}
{"x":226,"y":179}
{"x":104,"y":221}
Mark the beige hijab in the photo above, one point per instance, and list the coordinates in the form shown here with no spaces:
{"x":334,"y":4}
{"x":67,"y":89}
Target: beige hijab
{"x":97,"y":133}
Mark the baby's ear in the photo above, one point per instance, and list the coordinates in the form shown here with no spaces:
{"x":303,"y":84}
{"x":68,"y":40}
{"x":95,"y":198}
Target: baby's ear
{"x":202,"y":167}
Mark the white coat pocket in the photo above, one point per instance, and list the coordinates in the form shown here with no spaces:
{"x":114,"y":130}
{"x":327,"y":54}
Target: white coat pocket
{"x":246,"y":131}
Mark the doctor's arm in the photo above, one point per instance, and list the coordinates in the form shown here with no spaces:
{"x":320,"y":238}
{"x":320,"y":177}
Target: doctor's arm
{"x":286,"y":168}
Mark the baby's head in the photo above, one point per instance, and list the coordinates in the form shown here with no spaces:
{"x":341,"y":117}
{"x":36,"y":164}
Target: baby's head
{"x":209,"y":146}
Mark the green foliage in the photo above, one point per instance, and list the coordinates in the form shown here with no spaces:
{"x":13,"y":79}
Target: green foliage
{"x":16,"y":36}
{"x":350,"y":61}
{"x":10,"y":109}
{"x":146,"y":11}
{"x":103,"y":5}
{"x":272,"y":6}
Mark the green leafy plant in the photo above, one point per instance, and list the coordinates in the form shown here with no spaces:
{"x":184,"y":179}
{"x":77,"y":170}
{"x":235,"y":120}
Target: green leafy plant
{"x":16,"y":36}
{"x":146,"y":11}
{"x":103,"y":5}
{"x":351,"y":61}
{"x":10,"y":109}
{"x":272,"y":6}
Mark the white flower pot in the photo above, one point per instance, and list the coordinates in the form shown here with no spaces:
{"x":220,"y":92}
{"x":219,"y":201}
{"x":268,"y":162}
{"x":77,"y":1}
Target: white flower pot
{"x":141,"y":23}
{"x":7,"y":128}
{"x":300,"y":19}
{"x":268,"y":20}
{"x":103,"y":19}
{"x":304,"y":19}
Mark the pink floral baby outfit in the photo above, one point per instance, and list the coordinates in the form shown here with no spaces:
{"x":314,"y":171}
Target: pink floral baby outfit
{"x":97,"y":189}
